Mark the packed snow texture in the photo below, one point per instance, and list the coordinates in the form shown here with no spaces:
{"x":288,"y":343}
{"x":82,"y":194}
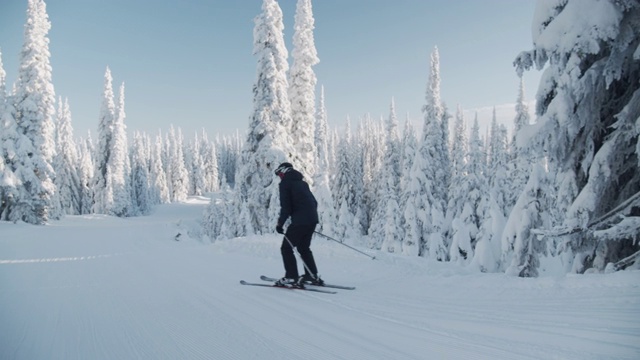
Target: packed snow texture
{"x":100,"y":287}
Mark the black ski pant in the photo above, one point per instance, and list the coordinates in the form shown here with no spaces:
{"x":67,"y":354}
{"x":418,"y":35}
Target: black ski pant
{"x":300,"y":238}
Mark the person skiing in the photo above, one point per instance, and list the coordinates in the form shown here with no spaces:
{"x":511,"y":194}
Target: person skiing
{"x":298,"y":203}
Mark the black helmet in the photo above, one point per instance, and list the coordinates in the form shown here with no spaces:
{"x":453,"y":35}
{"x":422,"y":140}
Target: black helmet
{"x":283,"y":168}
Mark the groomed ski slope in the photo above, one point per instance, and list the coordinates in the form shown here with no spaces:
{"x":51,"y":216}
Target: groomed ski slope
{"x":97,"y":287}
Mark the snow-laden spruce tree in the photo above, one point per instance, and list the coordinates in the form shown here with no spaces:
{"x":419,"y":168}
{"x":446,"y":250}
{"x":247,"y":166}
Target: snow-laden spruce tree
{"x":66,"y":162}
{"x":356,"y":156}
{"x":521,"y":157}
{"x":487,"y":242}
{"x":119,"y":167}
{"x":386,"y":224}
{"x":372,"y":146}
{"x":497,"y":210}
{"x":373,"y":142}
{"x":195,"y":167}
{"x":34,"y":101}
{"x":267,"y":144}
{"x":85,"y":174}
{"x":177,"y":174}
{"x":445,"y":150}
{"x":332,"y":145}
{"x":408,"y":148}
{"x":189,"y":159}
{"x":588,"y":108}
{"x":8,"y":189}
{"x":462,"y":208}
{"x":530,"y":212}
{"x":8,"y":135}
{"x":140,"y":186}
{"x":209,"y":155}
{"x":229,"y":150}
{"x":302,"y":84}
{"x":363,"y":153}
{"x":410,"y":225}
{"x":102,"y":198}
{"x":342,"y":190}
{"x":323,"y":172}
{"x":159,"y":192}
{"x":9,"y":183}
{"x":428,"y":175}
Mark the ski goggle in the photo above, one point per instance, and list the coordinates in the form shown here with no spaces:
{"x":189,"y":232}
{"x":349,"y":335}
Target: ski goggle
{"x":282,"y":170}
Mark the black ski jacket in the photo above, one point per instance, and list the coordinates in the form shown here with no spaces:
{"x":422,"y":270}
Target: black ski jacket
{"x":296,"y":200}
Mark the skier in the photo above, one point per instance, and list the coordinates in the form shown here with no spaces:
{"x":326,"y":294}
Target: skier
{"x":297,"y":202}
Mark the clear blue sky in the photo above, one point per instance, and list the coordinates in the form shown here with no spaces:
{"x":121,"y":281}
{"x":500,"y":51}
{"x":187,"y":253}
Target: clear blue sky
{"x":190,"y":63}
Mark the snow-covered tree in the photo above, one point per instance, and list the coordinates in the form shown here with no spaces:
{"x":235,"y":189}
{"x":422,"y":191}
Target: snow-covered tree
{"x":321,"y":136}
{"x":497,"y":188}
{"x":102,"y":198}
{"x":390,"y":174}
{"x":85,"y":174}
{"x":195,"y":167}
{"x":409,"y":145}
{"x":8,"y":190}
{"x":34,"y":114}
{"x":521,"y":156}
{"x":302,"y":84}
{"x":529,"y":213}
{"x":158,"y":177}
{"x":332,"y":145}
{"x":365,"y":158}
{"x":177,"y":174}
{"x":209,"y":155}
{"x":322,"y":177}
{"x":410,"y":245}
{"x":588,"y":120}
{"x":342,"y":190}
{"x":228,"y":149}
{"x":66,"y":162}
{"x":8,"y":136}
{"x":463,"y":197}
{"x":140,"y":188}
{"x":445,"y":150}
{"x":428,"y":175}
{"x":268,"y":143}
{"x":487,"y":241}
{"x":119,"y":167}
{"x":213,"y":218}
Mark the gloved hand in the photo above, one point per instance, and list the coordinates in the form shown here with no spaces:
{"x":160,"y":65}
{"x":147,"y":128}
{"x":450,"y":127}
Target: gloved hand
{"x":279,"y":229}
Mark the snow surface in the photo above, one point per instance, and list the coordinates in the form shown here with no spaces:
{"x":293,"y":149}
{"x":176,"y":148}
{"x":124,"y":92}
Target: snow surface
{"x":99,"y":287}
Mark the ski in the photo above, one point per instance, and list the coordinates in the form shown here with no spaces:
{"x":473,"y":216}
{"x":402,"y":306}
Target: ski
{"x":288,"y":288}
{"x":266,"y":278}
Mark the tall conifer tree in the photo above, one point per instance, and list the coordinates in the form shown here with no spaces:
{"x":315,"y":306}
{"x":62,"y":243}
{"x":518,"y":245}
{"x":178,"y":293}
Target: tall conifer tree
{"x":120,"y":162}
{"x":268,"y":142}
{"x":103,"y":199}
{"x":34,"y":105}
{"x":461,"y":207}
{"x":428,"y":174}
{"x":66,"y":163}
{"x":85,"y":174}
{"x":388,"y":205}
{"x":302,"y":83}
{"x":177,"y":174}
{"x":588,"y":122}
{"x":322,"y":177}
{"x":141,"y":199}
{"x":8,"y":136}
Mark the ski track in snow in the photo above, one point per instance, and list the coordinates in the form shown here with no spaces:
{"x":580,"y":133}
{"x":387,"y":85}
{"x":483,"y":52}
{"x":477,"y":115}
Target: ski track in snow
{"x":95,"y":287}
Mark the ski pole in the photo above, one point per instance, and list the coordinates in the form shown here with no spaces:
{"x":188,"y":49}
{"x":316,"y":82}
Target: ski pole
{"x":300,"y":256}
{"x":341,"y":243}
